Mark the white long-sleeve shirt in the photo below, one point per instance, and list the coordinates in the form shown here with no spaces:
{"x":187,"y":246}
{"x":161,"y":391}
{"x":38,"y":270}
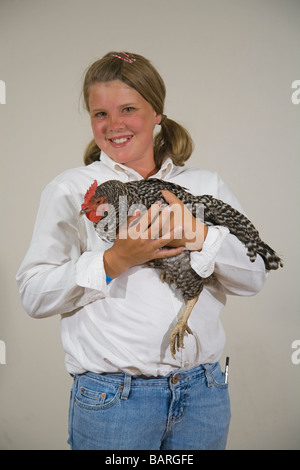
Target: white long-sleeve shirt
{"x":125,"y":325}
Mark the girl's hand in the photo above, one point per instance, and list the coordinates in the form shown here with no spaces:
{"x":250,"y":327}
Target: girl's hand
{"x":193,"y":231}
{"x":143,"y":239}
{"x":144,"y":236}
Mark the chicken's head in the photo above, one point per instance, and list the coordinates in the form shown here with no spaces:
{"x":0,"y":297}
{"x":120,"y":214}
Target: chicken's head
{"x":94,"y":207}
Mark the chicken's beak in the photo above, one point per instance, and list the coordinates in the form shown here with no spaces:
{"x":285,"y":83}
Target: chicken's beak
{"x":82,"y":212}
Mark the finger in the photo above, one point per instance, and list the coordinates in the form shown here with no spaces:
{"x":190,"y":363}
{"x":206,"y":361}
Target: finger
{"x":161,"y":224}
{"x":176,"y":207}
{"x":173,"y":223}
{"x":132,"y":220}
{"x":139,"y":227}
{"x":169,"y":237}
{"x":168,"y":252}
{"x":170,"y":197}
{"x":149,"y":216}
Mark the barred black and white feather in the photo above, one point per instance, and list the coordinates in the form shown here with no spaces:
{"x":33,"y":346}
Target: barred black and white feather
{"x":177,"y":269}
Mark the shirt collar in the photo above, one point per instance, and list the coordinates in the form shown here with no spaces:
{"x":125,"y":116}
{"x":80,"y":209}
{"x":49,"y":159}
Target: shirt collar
{"x":165,"y":170}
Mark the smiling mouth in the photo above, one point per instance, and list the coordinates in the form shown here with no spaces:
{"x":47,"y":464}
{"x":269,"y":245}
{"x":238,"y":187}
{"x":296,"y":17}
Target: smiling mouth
{"x":120,"y":140}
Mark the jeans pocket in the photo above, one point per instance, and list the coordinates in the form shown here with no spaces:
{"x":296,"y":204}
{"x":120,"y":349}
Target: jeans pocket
{"x":96,"y":394}
{"x":216,"y":377}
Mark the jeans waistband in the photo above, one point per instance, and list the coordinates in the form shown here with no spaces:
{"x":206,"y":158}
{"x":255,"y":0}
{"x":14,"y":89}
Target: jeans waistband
{"x":180,"y":375}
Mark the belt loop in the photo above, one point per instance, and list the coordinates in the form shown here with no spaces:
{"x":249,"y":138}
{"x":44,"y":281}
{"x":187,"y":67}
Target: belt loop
{"x":208,"y":376}
{"x":126,"y":388}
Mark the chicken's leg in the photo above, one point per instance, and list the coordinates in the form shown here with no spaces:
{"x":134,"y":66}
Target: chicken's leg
{"x":181,"y":326}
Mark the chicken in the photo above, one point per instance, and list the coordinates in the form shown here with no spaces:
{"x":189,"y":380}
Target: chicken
{"x":108,"y":205}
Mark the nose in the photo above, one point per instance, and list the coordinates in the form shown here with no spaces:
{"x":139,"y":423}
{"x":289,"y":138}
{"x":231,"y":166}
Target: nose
{"x":115,"y":123}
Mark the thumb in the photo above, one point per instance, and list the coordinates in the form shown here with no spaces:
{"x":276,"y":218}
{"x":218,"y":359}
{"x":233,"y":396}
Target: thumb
{"x":170,"y":197}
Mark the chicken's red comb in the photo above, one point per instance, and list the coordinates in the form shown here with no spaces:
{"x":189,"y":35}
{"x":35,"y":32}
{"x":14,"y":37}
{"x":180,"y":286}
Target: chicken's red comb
{"x":90,"y":192}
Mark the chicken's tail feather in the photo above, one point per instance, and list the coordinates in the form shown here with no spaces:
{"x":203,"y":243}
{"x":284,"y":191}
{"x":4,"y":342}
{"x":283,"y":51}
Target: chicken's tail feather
{"x":271,"y":259}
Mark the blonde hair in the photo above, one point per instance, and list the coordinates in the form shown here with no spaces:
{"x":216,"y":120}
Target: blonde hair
{"x":138,"y":73}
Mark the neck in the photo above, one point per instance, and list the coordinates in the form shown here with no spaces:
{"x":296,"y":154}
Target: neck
{"x":150,"y":173}
{"x":145,"y":172}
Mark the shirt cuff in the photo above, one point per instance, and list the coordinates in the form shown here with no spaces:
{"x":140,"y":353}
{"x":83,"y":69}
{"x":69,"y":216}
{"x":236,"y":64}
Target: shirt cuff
{"x":90,"y":271}
{"x":203,"y":262}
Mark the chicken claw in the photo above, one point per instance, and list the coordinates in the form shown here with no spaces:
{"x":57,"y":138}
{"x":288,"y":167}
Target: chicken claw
{"x":177,"y":334}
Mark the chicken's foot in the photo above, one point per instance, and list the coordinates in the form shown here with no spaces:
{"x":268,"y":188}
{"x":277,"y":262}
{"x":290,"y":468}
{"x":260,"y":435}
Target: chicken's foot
{"x":181,"y":327}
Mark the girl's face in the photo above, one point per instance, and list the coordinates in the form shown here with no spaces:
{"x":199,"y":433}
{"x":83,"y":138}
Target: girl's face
{"x":123,"y":123}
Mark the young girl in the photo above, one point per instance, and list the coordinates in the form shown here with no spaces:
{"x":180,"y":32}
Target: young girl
{"x":129,"y":392}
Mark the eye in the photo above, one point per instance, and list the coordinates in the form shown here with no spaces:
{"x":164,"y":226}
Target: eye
{"x":129,"y":109}
{"x":100,"y":114}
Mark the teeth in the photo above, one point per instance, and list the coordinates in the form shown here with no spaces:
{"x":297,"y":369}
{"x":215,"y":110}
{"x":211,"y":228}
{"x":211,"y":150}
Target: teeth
{"x":120,"y":141}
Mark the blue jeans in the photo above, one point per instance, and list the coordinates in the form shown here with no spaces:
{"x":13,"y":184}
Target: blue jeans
{"x":189,"y":409}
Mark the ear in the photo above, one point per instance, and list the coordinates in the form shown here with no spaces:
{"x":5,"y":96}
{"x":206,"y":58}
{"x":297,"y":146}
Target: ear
{"x":157,"y":118}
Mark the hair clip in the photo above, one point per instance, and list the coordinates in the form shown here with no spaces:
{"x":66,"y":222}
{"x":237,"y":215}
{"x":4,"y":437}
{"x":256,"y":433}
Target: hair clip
{"x":128,"y":59}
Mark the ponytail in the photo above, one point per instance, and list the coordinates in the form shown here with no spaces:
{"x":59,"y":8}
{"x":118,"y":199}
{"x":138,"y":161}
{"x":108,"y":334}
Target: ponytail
{"x":173,"y":141}
{"x":92,"y":153}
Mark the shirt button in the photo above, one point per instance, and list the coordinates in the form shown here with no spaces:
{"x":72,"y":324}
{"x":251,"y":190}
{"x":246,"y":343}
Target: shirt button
{"x":174,"y":379}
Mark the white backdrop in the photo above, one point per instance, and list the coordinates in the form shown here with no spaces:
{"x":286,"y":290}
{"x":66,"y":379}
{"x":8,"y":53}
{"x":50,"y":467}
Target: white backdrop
{"x":228,"y":66}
